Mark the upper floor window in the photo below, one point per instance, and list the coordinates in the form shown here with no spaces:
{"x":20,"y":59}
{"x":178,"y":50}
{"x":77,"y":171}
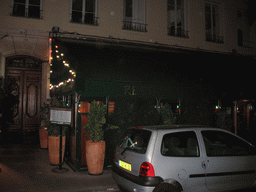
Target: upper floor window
{"x":84,"y":11}
{"x":176,"y":18}
{"x":28,"y":8}
{"x":134,"y":15}
{"x":212,"y":23}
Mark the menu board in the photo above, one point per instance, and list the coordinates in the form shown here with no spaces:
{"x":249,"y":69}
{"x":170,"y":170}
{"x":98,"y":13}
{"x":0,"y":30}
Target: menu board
{"x":60,"y":115}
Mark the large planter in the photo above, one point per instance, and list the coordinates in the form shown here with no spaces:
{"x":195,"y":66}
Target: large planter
{"x":54,"y":149}
{"x":95,"y":154}
{"x":43,"y":137}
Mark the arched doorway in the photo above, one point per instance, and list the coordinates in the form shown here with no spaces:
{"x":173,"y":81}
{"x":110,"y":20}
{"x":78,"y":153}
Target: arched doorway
{"x":25,"y":74}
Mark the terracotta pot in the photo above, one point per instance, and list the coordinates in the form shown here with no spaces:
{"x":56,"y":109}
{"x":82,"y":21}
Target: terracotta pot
{"x":43,"y":135}
{"x":54,"y":149}
{"x":95,"y":154}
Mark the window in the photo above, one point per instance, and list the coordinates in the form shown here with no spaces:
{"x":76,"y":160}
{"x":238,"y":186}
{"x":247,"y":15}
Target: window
{"x":135,"y":140}
{"x":218,"y":143}
{"x":212,"y":23}
{"x":176,"y":18}
{"x":181,"y":144}
{"x":27,"y":8}
{"x":134,"y":15}
{"x":84,"y":11}
{"x":240,"y":37}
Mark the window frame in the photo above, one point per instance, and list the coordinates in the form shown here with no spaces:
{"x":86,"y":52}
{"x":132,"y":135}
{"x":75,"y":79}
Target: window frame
{"x":178,"y":31}
{"x":137,"y":21}
{"x":95,"y":13}
{"x":26,"y":9}
{"x":215,"y":21}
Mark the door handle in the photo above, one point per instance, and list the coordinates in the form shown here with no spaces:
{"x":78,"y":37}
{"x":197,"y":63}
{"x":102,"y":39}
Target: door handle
{"x":204,"y":165}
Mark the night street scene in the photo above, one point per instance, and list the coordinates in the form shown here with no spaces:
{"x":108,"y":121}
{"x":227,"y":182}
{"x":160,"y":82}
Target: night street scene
{"x":129,"y":95}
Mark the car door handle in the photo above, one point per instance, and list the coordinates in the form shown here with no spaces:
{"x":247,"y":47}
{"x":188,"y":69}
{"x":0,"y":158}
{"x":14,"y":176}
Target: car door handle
{"x":204,"y":165}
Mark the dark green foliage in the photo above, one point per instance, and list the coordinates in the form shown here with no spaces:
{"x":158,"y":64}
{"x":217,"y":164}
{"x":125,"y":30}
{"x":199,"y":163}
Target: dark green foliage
{"x":223,"y":119}
{"x":196,"y":110}
{"x":96,"y":120}
{"x":134,"y":111}
{"x":56,"y":102}
{"x":167,"y":115}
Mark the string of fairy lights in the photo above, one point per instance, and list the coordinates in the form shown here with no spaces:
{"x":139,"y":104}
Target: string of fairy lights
{"x":57,"y":54}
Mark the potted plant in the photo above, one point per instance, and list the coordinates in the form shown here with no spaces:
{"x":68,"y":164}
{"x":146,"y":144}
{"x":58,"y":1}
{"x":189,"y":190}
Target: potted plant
{"x":95,"y":146}
{"x":54,"y":136}
{"x":43,"y":133}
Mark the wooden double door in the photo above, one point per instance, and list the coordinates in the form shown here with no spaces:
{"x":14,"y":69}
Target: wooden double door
{"x":26,"y":88}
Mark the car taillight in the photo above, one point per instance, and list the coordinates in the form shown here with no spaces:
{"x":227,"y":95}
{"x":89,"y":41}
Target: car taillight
{"x":147,"y":170}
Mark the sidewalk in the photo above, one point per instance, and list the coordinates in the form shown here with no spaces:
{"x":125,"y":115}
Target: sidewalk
{"x":27,"y":168}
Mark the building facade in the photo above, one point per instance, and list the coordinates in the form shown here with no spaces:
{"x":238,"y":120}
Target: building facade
{"x":210,"y":26}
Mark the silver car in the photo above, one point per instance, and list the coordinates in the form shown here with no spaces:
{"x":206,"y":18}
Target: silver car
{"x":183,"y":158}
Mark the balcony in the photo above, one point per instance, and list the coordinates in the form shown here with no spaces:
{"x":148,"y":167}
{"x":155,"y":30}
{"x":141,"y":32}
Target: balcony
{"x":141,"y":27}
{"x":214,"y":39}
{"x":178,"y":33}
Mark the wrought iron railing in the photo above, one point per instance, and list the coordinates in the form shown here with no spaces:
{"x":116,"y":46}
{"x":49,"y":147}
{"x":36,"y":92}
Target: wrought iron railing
{"x":19,"y":11}
{"x":247,"y":44}
{"x":141,"y":27}
{"x":214,"y":38}
{"x":178,"y":33}
{"x":85,"y":20}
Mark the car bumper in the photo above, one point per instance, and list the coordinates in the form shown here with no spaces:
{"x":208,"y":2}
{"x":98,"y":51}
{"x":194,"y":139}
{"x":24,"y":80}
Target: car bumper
{"x":134,"y":183}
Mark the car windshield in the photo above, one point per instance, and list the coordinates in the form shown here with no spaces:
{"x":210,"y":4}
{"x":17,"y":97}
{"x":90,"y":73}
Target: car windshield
{"x":136,"y":140}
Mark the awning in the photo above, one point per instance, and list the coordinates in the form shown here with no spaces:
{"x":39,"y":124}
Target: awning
{"x":103,"y":69}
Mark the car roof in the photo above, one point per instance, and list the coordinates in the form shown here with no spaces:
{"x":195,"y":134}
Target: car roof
{"x":166,"y":127}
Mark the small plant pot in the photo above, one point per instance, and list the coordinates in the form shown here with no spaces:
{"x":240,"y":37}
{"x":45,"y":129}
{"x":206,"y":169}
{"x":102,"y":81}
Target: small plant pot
{"x":43,"y":135}
{"x":95,"y":154}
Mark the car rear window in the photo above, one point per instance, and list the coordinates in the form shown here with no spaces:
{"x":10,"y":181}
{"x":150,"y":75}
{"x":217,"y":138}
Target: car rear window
{"x":136,"y":140}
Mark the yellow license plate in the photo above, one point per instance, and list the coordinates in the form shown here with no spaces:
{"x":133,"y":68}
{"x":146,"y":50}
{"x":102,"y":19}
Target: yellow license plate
{"x":125,"y":165}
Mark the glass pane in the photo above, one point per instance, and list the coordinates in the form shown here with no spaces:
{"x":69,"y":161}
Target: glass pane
{"x":220,"y":143}
{"x":171,"y":2}
{"x":128,"y":8}
{"x":90,"y":6}
{"x":208,"y":22}
{"x":18,"y":10}
{"x":89,"y":18}
{"x":77,"y":16}
{"x":179,"y":3}
{"x":34,"y":2}
{"x":136,"y":140}
{"x":77,"y":5}
{"x":208,"y":8}
{"x":215,"y":19}
{"x":20,"y":1}
{"x":34,"y":11}
{"x":181,"y":144}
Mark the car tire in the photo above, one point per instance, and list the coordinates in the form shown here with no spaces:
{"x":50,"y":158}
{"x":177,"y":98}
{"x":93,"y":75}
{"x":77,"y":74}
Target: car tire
{"x":166,"y":187}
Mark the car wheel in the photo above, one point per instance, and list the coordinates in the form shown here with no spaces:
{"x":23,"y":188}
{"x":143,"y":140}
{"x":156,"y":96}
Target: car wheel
{"x":165,"y":187}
